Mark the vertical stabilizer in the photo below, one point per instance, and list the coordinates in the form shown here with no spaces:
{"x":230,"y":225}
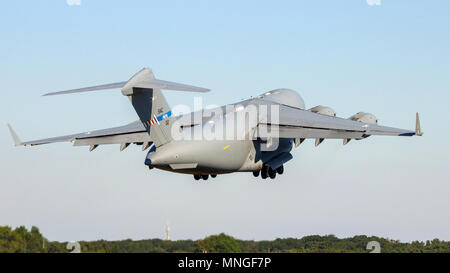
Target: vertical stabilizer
{"x":151,"y":107}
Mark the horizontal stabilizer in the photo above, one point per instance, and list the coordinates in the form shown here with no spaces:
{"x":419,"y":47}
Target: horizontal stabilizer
{"x":140,"y":80}
{"x":166,"y":85}
{"x":89,"y":89}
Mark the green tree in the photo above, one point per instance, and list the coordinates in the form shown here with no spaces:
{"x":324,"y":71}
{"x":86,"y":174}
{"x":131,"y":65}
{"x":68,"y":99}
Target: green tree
{"x":221,"y":243}
{"x":22,"y":240}
{"x":10,"y":241}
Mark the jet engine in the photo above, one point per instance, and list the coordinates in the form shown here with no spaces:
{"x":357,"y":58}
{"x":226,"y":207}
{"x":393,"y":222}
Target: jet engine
{"x":323,"y":110}
{"x":364,"y":117}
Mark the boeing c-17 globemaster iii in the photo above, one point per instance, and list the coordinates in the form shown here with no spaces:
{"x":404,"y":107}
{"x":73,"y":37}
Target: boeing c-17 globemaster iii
{"x":255,"y":135}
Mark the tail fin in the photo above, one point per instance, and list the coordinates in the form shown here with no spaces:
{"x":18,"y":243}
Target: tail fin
{"x":144,"y":92}
{"x":151,"y":107}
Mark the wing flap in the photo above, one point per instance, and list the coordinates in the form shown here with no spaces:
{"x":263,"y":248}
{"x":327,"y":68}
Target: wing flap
{"x":68,"y":138}
{"x":298,"y":123}
{"x":130,"y":133}
{"x":265,"y":130}
{"x":114,"y":139}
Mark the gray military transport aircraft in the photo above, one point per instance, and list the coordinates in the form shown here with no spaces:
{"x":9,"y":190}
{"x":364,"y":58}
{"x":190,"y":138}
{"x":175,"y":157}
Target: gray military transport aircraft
{"x":206,"y":145}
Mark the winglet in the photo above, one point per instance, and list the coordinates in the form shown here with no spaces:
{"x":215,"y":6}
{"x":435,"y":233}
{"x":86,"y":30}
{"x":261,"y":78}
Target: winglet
{"x":16,"y":139}
{"x":418,"y":130}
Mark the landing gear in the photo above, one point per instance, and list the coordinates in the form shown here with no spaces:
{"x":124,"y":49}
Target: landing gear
{"x":267,"y":171}
{"x":264,"y":172}
{"x":204,"y":176}
{"x":272,"y":173}
{"x":280,"y":170}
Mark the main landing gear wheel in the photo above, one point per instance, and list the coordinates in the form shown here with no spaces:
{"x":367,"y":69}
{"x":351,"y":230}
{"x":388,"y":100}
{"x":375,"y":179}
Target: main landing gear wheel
{"x":267,"y":171}
{"x":264,"y":172}
{"x":272,"y":173}
{"x":204,"y":176}
{"x":280,"y":170}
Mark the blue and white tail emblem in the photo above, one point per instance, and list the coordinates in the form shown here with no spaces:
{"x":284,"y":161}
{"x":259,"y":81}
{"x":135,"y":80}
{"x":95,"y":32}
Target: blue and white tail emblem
{"x":158,"y":119}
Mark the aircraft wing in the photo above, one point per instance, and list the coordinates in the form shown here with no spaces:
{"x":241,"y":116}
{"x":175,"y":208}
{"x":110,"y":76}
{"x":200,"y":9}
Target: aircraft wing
{"x":298,"y":123}
{"x":130,"y":133}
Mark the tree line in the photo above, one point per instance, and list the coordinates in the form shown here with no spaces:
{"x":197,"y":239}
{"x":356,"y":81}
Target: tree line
{"x":22,"y":240}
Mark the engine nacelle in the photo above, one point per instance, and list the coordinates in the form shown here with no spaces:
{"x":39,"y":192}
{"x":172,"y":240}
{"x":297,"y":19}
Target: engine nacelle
{"x":364,"y":117}
{"x":323,"y":110}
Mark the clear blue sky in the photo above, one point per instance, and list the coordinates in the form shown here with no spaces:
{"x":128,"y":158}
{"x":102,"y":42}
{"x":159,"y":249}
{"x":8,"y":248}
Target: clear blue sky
{"x":391,"y":60}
